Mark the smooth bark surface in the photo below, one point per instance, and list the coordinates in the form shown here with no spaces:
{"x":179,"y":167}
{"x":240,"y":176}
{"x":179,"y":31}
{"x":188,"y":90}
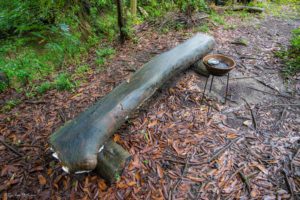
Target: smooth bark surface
{"x":77,"y":143}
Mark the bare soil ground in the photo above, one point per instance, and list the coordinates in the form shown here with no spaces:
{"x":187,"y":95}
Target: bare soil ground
{"x":182,"y":148}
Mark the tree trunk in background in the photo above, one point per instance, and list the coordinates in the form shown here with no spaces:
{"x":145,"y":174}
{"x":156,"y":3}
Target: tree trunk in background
{"x":133,"y":5}
{"x":121,"y":22}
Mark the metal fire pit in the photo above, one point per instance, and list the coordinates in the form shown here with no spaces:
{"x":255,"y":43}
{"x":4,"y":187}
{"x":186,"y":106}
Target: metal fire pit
{"x":218,"y":65}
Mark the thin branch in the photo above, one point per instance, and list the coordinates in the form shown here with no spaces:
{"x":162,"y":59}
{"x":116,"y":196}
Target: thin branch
{"x":252,"y":114}
{"x":227,"y":146}
{"x":280,"y":95}
{"x":10,"y":148}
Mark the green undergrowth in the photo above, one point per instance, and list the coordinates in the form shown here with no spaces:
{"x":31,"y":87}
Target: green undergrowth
{"x":40,"y":40}
{"x":291,"y":56}
{"x":37,"y":47}
{"x":288,"y":9}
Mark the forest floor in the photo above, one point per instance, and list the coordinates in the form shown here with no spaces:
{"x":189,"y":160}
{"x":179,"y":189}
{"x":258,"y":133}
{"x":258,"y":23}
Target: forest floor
{"x":181,"y":148}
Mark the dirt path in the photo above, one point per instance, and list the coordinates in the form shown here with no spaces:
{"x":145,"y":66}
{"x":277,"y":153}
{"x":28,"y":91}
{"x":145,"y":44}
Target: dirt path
{"x":180,"y":150}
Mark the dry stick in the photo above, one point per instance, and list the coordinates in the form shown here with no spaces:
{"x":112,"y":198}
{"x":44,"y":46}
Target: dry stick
{"x":286,"y":178}
{"x":11,"y":148}
{"x":233,"y":175}
{"x":245,"y":180}
{"x":244,"y":77}
{"x":263,"y":83}
{"x":62,"y":115}
{"x":280,"y":95}
{"x":227,"y":146}
{"x":288,"y":104}
{"x":252,"y":114}
{"x":35,"y":102}
{"x":294,"y":158}
{"x":280,"y":121}
{"x":182,"y":174}
{"x":251,"y":175}
{"x":183,"y":162}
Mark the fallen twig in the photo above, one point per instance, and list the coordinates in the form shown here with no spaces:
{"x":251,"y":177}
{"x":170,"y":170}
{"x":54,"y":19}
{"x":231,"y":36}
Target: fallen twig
{"x":62,"y":115}
{"x":265,"y":84}
{"x":279,"y":122}
{"x":11,"y":148}
{"x":182,"y":175}
{"x":227,"y":146}
{"x":286,"y":178}
{"x":243,"y":77}
{"x":252,"y":114}
{"x":246,"y":181}
{"x":280,"y":95}
{"x":35,"y":102}
{"x":233,"y":175}
{"x":288,"y":104}
{"x":183,"y":162}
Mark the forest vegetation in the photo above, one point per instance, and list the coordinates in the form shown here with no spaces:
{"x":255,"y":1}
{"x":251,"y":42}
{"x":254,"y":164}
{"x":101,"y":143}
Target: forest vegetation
{"x":40,"y":39}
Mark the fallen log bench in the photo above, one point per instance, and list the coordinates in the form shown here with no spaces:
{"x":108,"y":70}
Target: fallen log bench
{"x":245,"y":8}
{"x":84,"y":143}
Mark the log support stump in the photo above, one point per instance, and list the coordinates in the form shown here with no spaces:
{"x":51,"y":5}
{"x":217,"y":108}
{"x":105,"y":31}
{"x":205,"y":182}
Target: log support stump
{"x":111,"y":161}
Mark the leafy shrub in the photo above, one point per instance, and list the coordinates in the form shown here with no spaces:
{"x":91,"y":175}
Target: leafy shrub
{"x":203,"y":28}
{"x":291,"y":56}
{"x":3,"y":86}
{"x":192,"y":5}
{"x":103,"y":54}
{"x":217,"y":18}
{"x":82,"y":69}
{"x":63,"y":82}
{"x":44,"y":87}
{"x":10,"y":104}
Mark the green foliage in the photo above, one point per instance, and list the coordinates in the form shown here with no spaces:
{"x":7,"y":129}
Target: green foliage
{"x":28,"y":65}
{"x":291,"y":56}
{"x":3,"y":86}
{"x":9,"y":105}
{"x":41,"y":37}
{"x":192,"y":5}
{"x":156,"y":8}
{"x":286,"y":1}
{"x":63,"y":82}
{"x":217,"y":18}
{"x":230,"y":26}
{"x":203,"y":28}
{"x":103,"y":54}
{"x":44,"y":87}
{"x":81,"y":70}
{"x":105,"y":24}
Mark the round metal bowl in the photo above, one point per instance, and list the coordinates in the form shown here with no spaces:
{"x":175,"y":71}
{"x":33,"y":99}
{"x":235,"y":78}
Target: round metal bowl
{"x":219,"y":71}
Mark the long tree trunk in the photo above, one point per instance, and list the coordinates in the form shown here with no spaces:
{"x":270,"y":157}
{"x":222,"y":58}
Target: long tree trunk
{"x":78,"y":142}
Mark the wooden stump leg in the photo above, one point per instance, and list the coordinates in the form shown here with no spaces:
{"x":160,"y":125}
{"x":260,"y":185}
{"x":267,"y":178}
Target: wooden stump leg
{"x":111,"y":161}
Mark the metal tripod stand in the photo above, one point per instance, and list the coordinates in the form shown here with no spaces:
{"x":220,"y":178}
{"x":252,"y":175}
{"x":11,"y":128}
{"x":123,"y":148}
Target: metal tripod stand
{"x":212,"y":80}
